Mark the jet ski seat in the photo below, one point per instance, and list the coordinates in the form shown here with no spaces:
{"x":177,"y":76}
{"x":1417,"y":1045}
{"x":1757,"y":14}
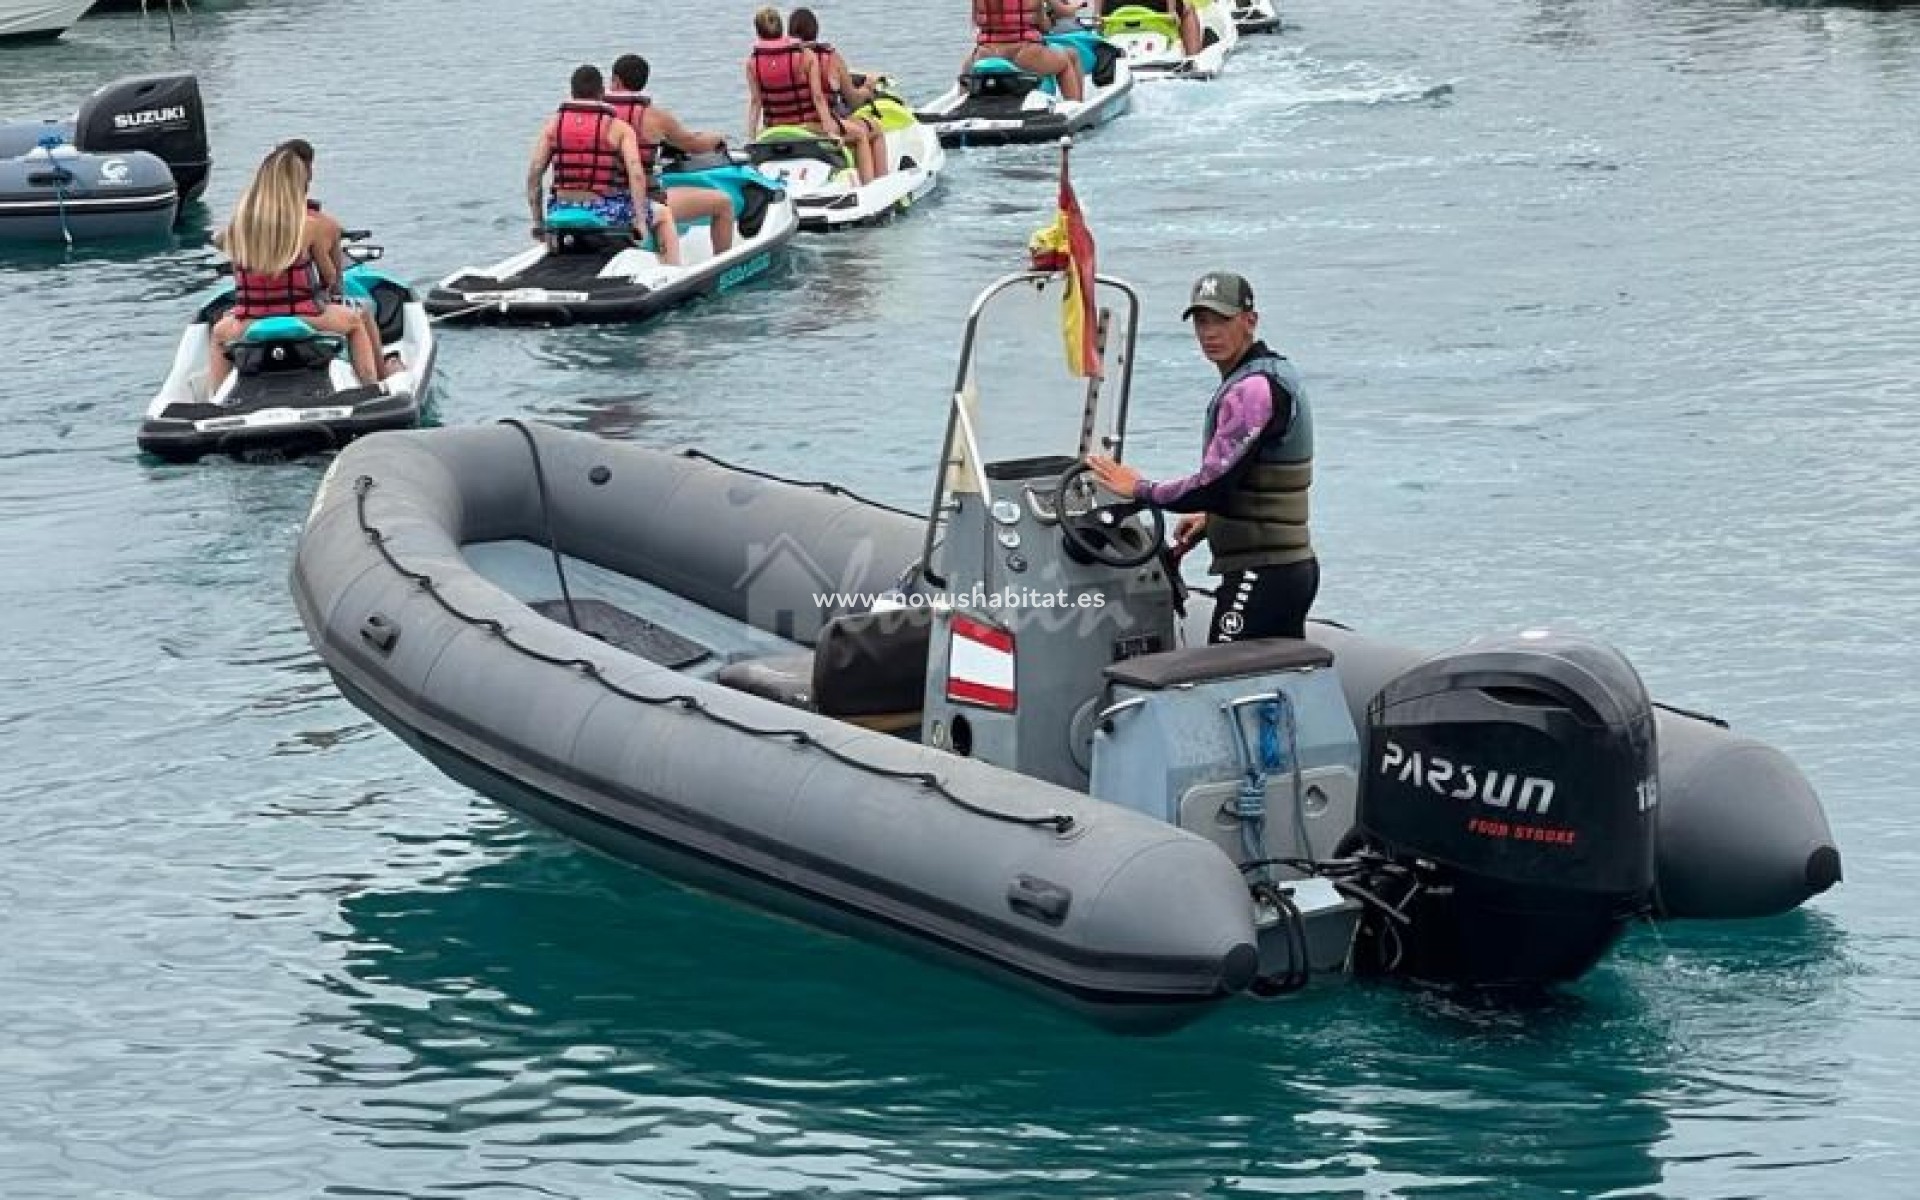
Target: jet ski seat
{"x":868,"y":669}
{"x":786,"y":142}
{"x":274,"y":344}
{"x":998,"y":77}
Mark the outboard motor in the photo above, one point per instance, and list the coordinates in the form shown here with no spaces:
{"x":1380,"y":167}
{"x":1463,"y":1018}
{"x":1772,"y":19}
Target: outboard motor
{"x":160,"y":114}
{"x":1511,"y":787}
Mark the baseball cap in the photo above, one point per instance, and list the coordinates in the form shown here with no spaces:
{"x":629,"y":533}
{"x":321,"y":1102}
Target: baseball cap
{"x":1222,"y":292}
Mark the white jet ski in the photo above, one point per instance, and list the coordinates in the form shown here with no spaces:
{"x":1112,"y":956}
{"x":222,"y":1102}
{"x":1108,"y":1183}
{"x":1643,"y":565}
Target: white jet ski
{"x":292,"y":389}
{"x":819,"y":173}
{"x":1256,"y":16}
{"x":996,"y":103}
{"x":588,"y":271}
{"x":1148,"y":33}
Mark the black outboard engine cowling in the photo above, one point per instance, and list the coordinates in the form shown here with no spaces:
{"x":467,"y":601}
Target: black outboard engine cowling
{"x":1512,"y":784}
{"x":160,"y":114}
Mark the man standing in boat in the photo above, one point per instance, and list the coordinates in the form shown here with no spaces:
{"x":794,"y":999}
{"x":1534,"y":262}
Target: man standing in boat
{"x":1249,"y":497}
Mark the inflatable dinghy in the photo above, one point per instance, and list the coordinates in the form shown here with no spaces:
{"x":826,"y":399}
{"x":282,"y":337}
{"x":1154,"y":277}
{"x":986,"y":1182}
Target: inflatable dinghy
{"x":1256,"y":16}
{"x":1018,"y":759}
{"x":292,"y":389}
{"x":819,"y":174}
{"x":119,"y":169}
{"x":586,"y":271}
{"x":1148,"y":33}
{"x":996,"y":103}
{"x":38,"y":20}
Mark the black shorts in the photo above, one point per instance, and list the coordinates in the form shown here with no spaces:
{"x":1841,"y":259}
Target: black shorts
{"x":1265,"y":602}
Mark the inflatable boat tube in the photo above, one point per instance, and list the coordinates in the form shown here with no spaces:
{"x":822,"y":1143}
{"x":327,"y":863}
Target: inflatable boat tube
{"x":427,"y":581}
{"x":638,"y":752}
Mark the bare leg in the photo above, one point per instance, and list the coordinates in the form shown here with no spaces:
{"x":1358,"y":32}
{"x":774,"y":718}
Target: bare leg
{"x":362,"y":348}
{"x":876,"y":137}
{"x":1190,"y":36}
{"x":218,"y":368}
{"x":690,"y":203}
{"x":666,"y":232}
{"x":1062,"y":65}
{"x":856,"y":138}
{"x":378,"y":343}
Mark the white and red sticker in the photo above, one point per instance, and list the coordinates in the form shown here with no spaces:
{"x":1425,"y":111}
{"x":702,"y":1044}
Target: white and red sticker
{"x":980,"y":665}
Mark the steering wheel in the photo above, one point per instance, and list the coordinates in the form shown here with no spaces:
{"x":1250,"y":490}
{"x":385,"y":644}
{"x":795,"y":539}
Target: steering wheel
{"x":1099,"y":534}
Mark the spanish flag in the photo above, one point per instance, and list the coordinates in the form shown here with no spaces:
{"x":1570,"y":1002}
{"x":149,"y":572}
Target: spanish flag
{"x":1067,"y":245}
{"x":1080,"y":314}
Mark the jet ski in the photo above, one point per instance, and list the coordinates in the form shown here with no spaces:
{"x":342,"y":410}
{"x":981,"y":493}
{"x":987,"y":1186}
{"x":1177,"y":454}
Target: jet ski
{"x":1256,"y":16}
{"x":587,"y":270}
{"x":292,"y":389}
{"x":996,"y":103}
{"x":1148,"y":33}
{"x":818,"y":171}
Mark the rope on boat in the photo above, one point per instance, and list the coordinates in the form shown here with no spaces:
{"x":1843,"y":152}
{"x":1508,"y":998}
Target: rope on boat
{"x":818,"y":485}
{"x":1060,"y":823}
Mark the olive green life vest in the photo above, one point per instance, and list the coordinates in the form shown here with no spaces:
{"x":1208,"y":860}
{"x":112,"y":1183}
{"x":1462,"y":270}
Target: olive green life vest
{"x":1263,"y":520}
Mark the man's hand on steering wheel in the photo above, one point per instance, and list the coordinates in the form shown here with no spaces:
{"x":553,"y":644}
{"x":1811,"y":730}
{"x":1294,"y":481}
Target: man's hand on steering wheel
{"x":1117,"y":478}
{"x":1101,"y":534}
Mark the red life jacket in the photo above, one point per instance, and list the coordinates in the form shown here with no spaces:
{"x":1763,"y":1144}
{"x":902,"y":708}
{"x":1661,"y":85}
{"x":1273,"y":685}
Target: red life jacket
{"x":824,"y":58}
{"x":584,"y":157}
{"x":631,"y":107}
{"x":294,"y":292}
{"x":1008,"y":21}
{"x":781,"y":72}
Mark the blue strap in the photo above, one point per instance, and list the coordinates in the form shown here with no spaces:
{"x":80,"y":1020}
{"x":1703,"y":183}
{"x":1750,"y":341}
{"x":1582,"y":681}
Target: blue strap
{"x":61,"y":177}
{"x":1272,"y":758}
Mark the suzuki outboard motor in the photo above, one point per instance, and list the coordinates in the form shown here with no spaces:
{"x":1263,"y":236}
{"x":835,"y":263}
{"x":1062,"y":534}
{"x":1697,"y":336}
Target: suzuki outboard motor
{"x":160,"y":114}
{"x":1511,"y":787}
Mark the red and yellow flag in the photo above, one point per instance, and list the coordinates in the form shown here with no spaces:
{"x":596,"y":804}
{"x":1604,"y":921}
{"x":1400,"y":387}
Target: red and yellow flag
{"x":1067,"y":245}
{"x":1080,"y":314}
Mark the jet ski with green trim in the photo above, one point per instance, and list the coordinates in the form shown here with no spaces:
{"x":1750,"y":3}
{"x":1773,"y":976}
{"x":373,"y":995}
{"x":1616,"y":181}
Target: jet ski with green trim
{"x":1256,"y":16}
{"x":292,"y":389}
{"x":1148,"y":33}
{"x":819,"y":173}
{"x":995,"y":103}
{"x":587,"y":270}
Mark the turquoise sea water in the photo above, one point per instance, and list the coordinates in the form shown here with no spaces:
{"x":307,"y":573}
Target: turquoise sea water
{"x":1609,"y":312}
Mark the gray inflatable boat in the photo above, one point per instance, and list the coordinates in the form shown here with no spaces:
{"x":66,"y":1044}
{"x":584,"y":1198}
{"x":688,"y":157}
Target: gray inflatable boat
{"x":679,"y":662}
{"x":119,"y":169}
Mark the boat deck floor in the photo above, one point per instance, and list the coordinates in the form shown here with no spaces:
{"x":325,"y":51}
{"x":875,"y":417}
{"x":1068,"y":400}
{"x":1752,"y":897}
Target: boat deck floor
{"x":629,"y":614}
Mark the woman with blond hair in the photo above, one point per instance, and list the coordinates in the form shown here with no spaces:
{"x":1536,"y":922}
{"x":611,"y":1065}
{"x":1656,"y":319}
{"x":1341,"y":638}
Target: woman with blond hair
{"x":274,"y":249}
{"x":784,"y":87}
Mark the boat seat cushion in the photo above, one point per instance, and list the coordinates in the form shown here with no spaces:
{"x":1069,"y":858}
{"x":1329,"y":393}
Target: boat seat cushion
{"x":1227,"y":660}
{"x":864,"y":667}
{"x":866,"y":664}
{"x":784,"y":679}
